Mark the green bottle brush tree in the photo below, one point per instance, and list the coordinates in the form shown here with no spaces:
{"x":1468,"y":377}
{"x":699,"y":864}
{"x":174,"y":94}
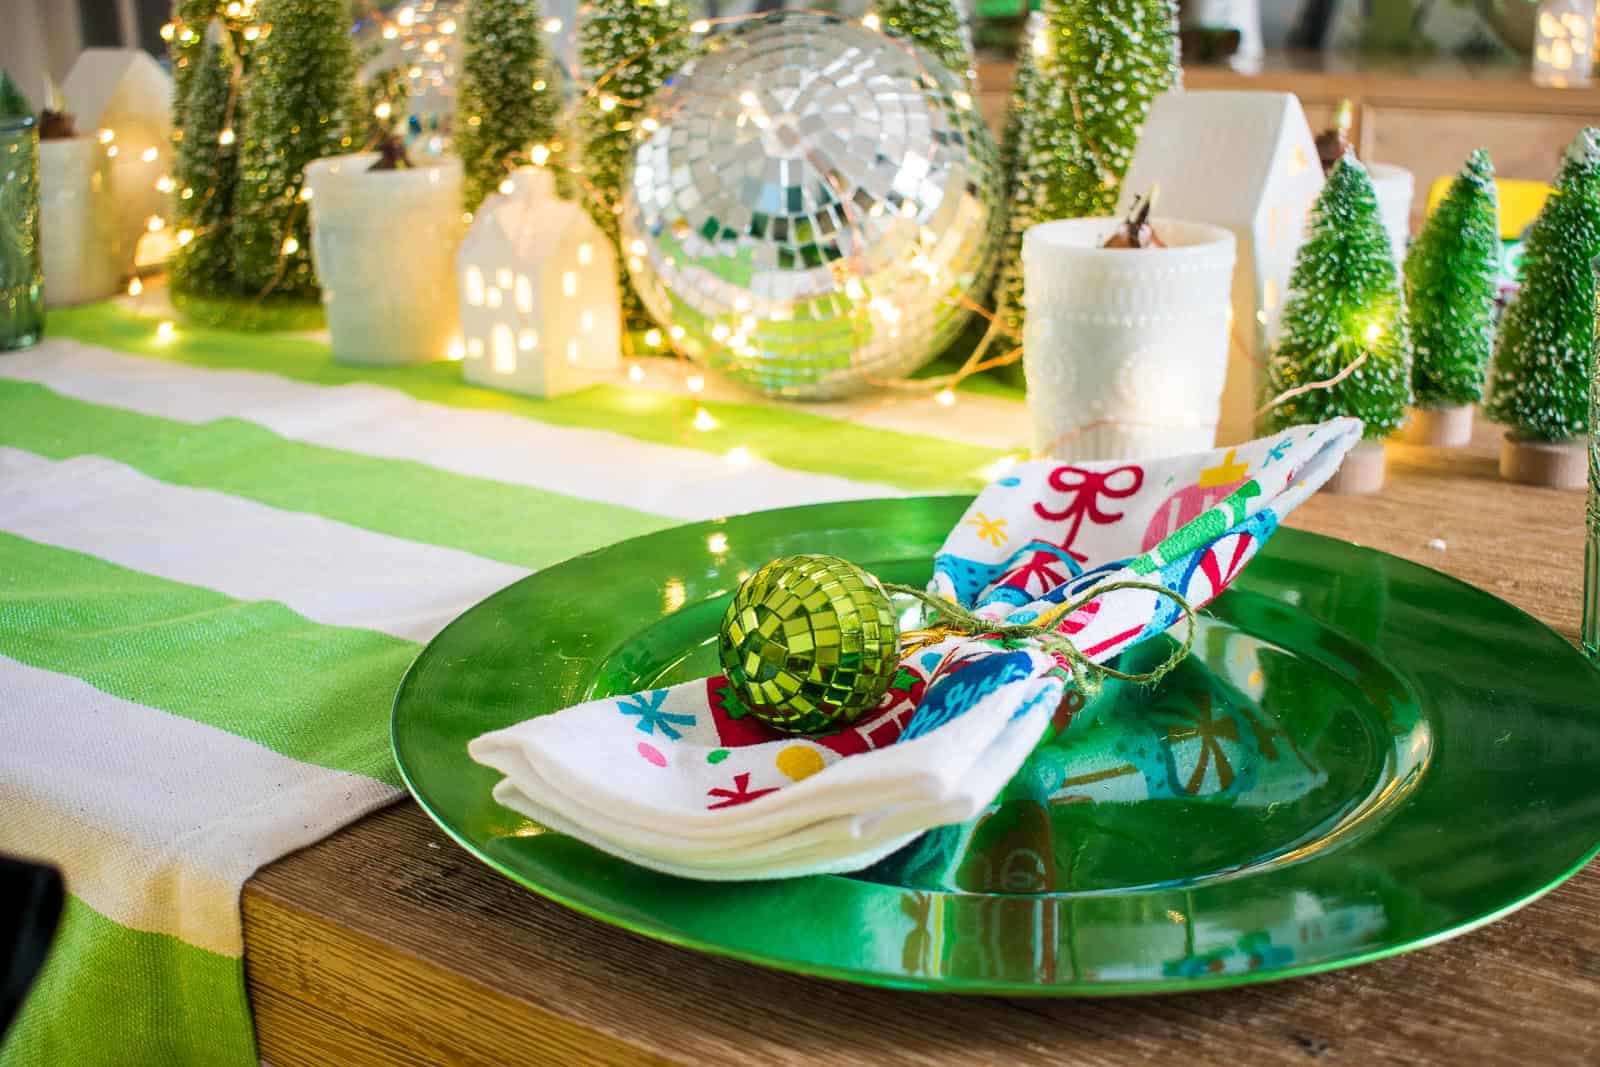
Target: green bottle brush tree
{"x":1450,"y":282}
{"x":1078,"y":101}
{"x":1344,"y":349}
{"x":507,"y":103}
{"x":936,"y":25}
{"x":1539,"y":383}
{"x":633,"y":46}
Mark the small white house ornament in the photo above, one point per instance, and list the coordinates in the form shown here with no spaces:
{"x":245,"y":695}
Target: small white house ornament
{"x":122,"y":96}
{"x":540,"y":309}
{"x":1246,"y":161}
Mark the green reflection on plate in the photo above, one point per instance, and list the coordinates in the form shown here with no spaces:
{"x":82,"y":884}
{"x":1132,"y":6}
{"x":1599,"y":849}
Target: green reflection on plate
{"x":1362,"y":757}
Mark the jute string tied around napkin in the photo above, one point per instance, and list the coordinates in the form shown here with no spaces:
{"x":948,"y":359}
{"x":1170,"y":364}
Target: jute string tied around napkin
{"x":953,"y":619}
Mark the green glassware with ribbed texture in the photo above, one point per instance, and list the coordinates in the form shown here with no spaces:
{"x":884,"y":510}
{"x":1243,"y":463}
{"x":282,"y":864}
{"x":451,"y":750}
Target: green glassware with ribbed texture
{"x":21,"y":274}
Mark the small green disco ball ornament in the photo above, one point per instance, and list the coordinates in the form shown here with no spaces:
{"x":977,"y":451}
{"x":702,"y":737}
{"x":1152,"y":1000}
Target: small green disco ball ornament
{"x":813,"y":206}
{"x":809,"y":643}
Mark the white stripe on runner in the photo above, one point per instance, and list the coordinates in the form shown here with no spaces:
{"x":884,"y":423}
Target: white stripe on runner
{"x":325,"y":570}
{"x":155,"y":819}
{"x":373,"y":420}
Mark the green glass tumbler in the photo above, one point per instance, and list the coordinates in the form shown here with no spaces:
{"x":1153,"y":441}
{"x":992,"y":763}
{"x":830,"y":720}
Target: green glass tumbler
{"x":21,"y":276}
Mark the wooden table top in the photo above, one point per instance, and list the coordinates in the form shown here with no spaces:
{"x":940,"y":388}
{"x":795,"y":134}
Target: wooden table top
{"x":387,"y":944}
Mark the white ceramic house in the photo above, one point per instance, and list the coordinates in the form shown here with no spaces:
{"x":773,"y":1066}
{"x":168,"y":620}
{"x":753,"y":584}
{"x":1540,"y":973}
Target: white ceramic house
{"x":540,"y":308}
{"x":124,"y":91}
{"x":1245,"y":161}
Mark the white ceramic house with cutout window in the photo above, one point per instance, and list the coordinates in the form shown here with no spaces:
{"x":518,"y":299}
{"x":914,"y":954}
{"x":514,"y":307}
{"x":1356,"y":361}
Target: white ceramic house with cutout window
{"x":124,"y":97}
{"x":1246,"y":161}
{"x":540,"y":308}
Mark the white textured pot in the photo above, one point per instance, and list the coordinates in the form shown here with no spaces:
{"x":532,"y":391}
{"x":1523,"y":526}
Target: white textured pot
{"x":384,"y":247}
{"x":1125,"y":349}
{"x":78,"y":234}
{"x":1394,"y":186}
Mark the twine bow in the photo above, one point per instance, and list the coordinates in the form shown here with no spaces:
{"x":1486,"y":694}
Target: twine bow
{"x":1087,"y":675}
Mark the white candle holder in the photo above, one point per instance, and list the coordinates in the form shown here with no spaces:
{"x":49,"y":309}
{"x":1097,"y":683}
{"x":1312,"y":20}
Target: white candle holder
{"x":1563,"y":43}
{"x":384,"y":246}
{"x":1125,"y":349}
{"x":80,"y":242}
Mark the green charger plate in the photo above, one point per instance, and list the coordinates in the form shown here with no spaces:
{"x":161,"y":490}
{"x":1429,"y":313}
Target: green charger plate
{"x":1362,"y":757}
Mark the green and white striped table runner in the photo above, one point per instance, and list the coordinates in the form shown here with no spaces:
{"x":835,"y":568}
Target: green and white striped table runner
{"x":218,"y":553}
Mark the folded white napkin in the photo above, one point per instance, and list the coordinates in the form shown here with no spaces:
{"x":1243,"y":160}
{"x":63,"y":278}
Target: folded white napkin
{"x":671,"y":780}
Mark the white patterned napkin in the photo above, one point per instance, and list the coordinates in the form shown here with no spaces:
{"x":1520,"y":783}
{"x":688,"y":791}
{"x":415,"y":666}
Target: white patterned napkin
{"x":675,"y":780}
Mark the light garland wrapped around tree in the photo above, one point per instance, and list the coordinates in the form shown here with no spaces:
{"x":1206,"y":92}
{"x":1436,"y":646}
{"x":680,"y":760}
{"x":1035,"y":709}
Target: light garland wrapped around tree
{"x":1450,"y":280}
{"x":205,"y":176}
{"x":1344,"y":349}
{"x":506,"y":103}
{"x":1539,"y":383}
{"x":298,"y":102}
{"x":627,"y":49}
{"x":935,"y":25}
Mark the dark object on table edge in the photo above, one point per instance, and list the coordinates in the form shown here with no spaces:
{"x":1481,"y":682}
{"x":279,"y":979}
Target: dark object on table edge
{"x":31,"y":897}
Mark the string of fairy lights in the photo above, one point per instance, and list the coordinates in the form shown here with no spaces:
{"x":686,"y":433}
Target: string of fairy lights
{"x":422,"y":33}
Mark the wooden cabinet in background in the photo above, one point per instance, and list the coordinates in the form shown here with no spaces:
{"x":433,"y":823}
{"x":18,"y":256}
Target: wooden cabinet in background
{"x":1425,"y":116}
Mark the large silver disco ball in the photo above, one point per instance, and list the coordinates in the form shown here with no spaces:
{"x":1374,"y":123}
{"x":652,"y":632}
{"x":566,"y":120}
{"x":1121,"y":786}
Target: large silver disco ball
{"x":810,"y":204}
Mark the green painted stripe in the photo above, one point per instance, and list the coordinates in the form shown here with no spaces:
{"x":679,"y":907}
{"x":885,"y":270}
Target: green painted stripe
{"x":315,"y":693}
{"x":511,"y":523}
{"x":110,"y":996}
{"x":788,"y":436}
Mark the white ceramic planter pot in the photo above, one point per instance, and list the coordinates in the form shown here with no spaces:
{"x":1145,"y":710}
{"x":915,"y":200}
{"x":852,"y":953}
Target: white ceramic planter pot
{"x":78,"y":235}
{"x":1126,"y":350}
{"x":384,"y":247}
{"x":1394,"y":186}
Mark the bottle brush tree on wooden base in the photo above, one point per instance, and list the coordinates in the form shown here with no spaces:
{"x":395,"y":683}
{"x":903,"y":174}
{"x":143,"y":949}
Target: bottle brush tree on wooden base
{"x":1539,"y":383}
{"x":1344,"y":349}
{"x":1450,"y":288}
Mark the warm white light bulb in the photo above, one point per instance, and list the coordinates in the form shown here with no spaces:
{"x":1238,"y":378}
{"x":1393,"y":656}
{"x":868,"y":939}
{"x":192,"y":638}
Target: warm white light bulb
{"x":652,"y":338}
{"x":225,"y":137}
{"x":149,"y":155}
{"x":945,"y":398}
{"x":290,"y":246}
{"x":552,"y":25}
{"x":165,"y":331}
{"x":155,"y":223}
{"x":871,"y":22}
{"x":135,"y":287}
